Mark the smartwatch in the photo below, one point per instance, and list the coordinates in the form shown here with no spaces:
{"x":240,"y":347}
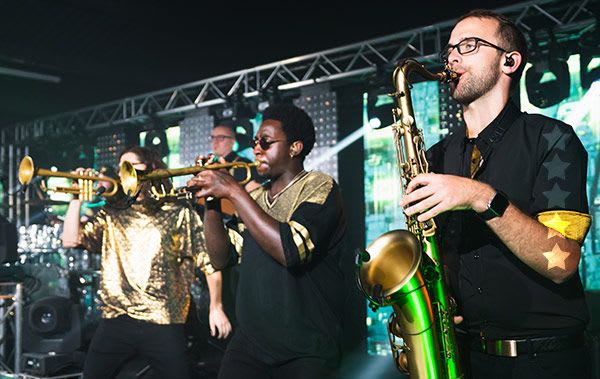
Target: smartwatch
{"x":496,"y":207}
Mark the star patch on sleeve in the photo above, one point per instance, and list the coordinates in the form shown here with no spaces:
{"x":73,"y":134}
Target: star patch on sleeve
{"x":555,"y":137}
{"x":556,"y":168}
{"x":556,"y":196}
{"x":556,"y":257}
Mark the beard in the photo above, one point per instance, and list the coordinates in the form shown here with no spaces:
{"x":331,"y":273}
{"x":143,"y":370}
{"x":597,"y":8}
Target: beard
{"x":475,"y":86}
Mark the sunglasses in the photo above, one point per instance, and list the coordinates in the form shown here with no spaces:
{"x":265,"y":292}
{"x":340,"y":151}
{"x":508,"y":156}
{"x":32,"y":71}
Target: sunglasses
{"x":264,"y":143}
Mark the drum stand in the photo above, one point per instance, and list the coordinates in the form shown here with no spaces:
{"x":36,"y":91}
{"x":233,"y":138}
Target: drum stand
{"x":14,"y":294}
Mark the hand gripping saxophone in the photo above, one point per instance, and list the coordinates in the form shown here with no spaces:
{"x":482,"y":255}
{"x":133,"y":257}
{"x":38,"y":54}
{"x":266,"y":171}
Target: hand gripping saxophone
{"x":403,"y":268}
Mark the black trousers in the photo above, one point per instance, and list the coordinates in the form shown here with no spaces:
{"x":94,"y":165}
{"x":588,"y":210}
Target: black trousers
{"x":566,"y":364}
{"x":118,"y":340}
{"x":240,"y":361}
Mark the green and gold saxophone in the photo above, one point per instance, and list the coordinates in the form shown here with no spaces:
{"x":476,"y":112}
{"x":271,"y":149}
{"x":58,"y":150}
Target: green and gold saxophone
{"x":403,"y":268}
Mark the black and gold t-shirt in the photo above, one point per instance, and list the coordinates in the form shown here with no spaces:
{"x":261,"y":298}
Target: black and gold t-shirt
{"x":295,"y":311}
{"x":541,"y":165}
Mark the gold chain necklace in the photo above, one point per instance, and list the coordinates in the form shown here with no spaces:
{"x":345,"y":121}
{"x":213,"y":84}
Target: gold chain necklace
{"x":271,"y":199}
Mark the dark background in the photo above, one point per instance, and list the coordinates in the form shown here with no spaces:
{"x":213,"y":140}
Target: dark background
{"x":105,"y":50}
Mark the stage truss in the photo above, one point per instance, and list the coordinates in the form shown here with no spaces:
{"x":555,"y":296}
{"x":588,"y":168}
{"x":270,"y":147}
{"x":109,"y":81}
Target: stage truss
{"x":566,"y":19}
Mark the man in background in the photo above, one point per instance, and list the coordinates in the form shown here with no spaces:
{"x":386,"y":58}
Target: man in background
{"x":222,"y":142}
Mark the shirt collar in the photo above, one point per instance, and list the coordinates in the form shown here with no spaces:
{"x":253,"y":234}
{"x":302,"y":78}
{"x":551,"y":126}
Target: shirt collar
{"x":490,"y":134}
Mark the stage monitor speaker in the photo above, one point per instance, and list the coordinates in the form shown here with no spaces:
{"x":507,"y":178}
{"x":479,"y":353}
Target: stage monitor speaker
{"x":8,"y":241}
{"x":44,"y":364}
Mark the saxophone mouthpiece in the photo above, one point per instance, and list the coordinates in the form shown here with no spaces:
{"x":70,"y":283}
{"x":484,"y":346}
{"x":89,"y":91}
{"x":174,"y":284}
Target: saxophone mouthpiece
{"x":451,"y":75}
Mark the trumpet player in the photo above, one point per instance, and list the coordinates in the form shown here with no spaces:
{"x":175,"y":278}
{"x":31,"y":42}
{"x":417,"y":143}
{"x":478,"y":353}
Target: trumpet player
{"x":149,"y":251}
{"x":290,"y":238}
{"x":509,"y":190}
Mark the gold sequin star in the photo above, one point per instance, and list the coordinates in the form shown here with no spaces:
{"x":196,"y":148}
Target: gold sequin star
{"x":556,"y":257}
{"x":558,"y":224}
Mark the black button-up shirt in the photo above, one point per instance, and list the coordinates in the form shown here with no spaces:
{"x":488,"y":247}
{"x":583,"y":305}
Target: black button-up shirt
{"x":540,"y":164}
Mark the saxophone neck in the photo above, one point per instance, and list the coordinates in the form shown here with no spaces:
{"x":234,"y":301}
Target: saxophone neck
{"x":407,"y":66}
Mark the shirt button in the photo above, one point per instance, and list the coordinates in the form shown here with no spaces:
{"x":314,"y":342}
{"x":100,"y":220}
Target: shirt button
{"x":480,"y":290}
{"x":476,"y":255}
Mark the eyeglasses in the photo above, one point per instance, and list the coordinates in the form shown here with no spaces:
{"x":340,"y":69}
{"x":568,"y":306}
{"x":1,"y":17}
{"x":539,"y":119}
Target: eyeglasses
{"x":466,"y":46}
{"x":264,"y":143}
{"x":220,"y":138}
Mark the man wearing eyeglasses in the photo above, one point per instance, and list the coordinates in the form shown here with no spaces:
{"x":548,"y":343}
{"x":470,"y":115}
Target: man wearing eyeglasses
{"x":290,"y":236}
{"x":509,"y":195}
{"x":222,"y":141}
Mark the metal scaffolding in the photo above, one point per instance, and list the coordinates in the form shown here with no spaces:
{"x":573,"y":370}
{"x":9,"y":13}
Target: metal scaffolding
{"x":566,"y":19}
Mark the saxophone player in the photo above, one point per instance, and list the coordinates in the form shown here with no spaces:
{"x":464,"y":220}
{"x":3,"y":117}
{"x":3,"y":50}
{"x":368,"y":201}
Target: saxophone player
{"x":509,"y":190}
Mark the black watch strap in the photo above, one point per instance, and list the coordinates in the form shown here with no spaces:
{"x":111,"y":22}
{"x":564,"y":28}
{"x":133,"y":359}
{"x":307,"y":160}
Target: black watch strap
{"x":496,"y":208}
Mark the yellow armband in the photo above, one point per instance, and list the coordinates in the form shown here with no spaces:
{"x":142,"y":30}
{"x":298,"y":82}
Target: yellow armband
{"x":571,"y":224}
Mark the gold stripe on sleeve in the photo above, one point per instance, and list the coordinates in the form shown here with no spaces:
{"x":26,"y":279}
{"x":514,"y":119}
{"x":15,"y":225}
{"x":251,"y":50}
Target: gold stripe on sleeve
{"x":302,"y":240}
{"x":236,"y":239}
{"x":203,"y":262}
{"x":571,"y":224}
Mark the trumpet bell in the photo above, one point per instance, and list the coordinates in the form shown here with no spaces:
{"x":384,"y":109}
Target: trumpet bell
{"x":26,"y":170}
{"x":85,"y":188}
{"x":394,"y":258}
{"x":129,"y":179}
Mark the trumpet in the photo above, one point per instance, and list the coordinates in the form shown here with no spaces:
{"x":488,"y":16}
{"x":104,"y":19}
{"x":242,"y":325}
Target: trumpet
{"x":130,"y":180}
{"x":84,"y":188}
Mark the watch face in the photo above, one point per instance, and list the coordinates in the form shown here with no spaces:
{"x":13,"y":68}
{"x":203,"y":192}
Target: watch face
{"x":499,"y":204}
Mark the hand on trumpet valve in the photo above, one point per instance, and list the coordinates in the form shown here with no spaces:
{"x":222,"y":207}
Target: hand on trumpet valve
{"x":84,"y":189}
{"x":213,"y":183}
{"x":203,"y":160}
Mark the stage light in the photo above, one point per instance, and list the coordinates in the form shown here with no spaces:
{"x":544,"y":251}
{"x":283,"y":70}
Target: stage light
{"x":320,"y":103}
{"x":195,"y":135}
{"x":548,"y":83}
{"x":157,"y":139}
{"x":268,"y":97}
{"x":236,"y":107}
{"x":375,"y":123}
{"x":379,"y":103}
{"x":379,"y":109}
{"x":263,"y":105}
{"x":52,"y":324}
{"x":547,"y":80}
{"x":244,"y":132}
